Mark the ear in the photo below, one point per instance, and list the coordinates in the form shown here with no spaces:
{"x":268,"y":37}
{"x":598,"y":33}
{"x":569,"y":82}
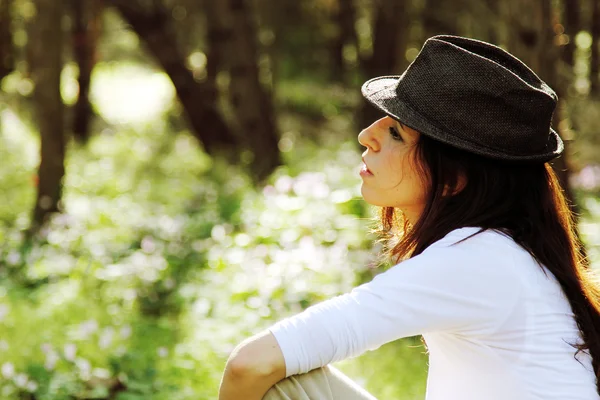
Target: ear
{"x":460,"y":185}
{"x":462,"y":182}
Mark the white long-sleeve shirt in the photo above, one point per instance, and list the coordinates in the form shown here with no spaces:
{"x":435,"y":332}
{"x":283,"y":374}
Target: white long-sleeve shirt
{"x":496,"y":326}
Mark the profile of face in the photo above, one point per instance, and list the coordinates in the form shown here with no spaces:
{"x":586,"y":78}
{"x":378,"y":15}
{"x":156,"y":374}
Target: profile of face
{"x":390,"y":177}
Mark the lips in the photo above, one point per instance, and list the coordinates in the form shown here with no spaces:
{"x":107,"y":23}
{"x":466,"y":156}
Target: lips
{"x":366,"y":166}
{"x":365,"y":169}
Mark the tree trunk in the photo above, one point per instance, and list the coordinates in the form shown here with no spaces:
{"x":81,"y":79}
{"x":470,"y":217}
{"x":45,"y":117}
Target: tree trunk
{"x":219,"y":37}
{"x":154,"y":26}
{"x":7,"y":49}
{"x":285,"y":21}
{"x":492,"y":29}
{"x":439,"y":18}
{"x":532,"y":40}
{"x":85,"y":33}
{"x":344,"y":17}
{"x":46,"y":45}
{"x":595,"y":56}
{"x":251,"y":102}
{"x":390,"y":39}
{"x":531,"y":37}
{"x":572,"y":26}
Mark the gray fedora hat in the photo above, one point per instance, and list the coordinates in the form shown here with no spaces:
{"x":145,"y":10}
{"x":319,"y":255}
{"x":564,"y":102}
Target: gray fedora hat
{"x":474,"y":96}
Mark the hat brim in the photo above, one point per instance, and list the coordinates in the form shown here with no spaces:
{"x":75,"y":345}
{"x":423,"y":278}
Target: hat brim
{"x":381,"y":93}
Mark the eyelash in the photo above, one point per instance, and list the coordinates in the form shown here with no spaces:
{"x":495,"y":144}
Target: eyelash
{"x":394,"y":133}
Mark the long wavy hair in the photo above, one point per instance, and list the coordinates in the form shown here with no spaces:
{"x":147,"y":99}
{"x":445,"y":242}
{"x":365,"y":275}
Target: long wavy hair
{"x":524,"y":201}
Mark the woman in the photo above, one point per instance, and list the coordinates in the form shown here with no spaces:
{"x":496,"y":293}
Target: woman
{"x":491,"y":275}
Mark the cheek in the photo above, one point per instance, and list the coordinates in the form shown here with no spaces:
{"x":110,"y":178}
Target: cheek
{"x":397,"y":182}
{"x":409,"y":189}
{"x":400,"y":168}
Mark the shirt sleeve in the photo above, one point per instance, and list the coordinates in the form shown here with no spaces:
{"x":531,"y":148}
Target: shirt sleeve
{"x":447,"y":289}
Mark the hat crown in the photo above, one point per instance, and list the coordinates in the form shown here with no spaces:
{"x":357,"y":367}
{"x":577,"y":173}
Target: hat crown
{"x":476,"y":96}
{"x":493,"y":57}
{"x":478,"y":85}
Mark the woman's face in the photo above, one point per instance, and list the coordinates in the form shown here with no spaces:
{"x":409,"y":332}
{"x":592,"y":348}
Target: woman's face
{"x":390,"y":178}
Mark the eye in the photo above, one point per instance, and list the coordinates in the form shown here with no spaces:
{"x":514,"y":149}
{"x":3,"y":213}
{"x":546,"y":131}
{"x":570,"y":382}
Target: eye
{"x":394,"y":133}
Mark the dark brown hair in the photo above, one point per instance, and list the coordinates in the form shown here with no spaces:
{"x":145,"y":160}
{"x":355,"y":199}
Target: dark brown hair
{"x":523,"y":201}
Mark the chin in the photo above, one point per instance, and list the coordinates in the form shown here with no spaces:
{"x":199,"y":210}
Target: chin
{"x":371,"y":198}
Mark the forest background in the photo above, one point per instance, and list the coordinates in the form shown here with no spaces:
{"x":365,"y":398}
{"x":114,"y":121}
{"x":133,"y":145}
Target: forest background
{"x":177,"y":175}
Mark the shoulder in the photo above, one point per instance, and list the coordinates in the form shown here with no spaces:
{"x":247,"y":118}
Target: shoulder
{"x":474,"y":236}
{"x":488,"y":254}
{"x":474,"y":243}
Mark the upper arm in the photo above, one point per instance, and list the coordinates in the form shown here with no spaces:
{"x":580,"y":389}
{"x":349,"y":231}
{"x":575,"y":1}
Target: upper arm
{"x":259,"y":355}
{"x":441,"y":290}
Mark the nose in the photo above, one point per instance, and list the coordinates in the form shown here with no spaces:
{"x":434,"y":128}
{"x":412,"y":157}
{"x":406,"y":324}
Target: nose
{"x":368,"y":139}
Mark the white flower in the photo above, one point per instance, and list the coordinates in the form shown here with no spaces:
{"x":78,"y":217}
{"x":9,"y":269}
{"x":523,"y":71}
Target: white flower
{"x":8,"y":370}
{"x":20,"y":380}
{"x":125,"y":331}
{"x":85,"y":368}
{"x":70,"y":350}
{"x":32,"y":386}
{"x":101,"y":373}
{"x":88,"y":327}
{"x":106,"y":337}
{"x":51,"y":360}
{"x":3,"y":311}
{"x":46,"y":348}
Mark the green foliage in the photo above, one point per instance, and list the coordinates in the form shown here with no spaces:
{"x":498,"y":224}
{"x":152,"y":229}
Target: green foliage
{"x":164,"y":259}
{"x":299,"y":97}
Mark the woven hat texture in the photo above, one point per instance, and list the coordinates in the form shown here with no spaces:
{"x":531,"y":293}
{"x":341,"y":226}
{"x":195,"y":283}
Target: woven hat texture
{"x":474,"y":96}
